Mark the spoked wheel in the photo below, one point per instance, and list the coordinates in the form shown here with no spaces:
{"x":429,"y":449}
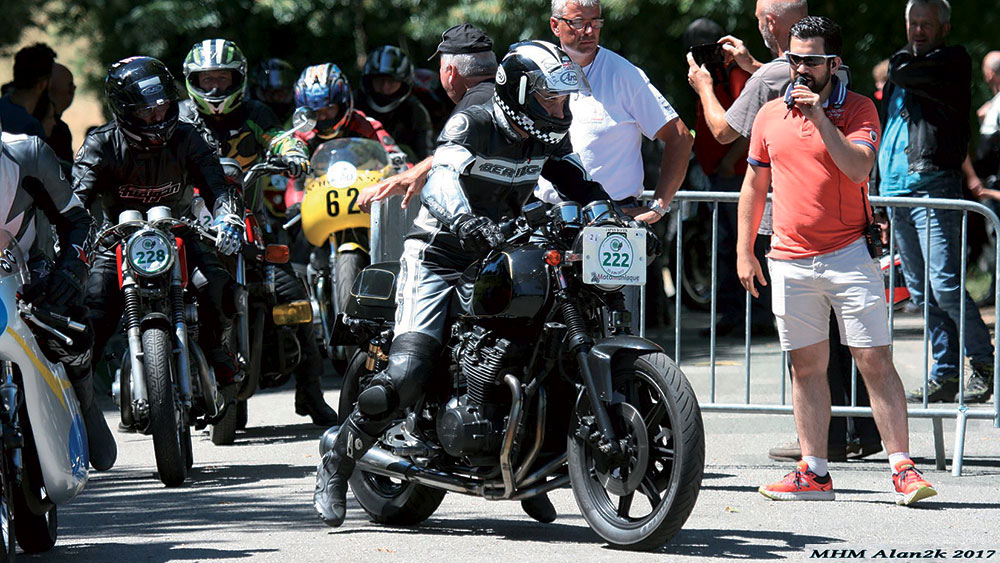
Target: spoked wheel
{"x":386,"y":500}
{"x":6,"y":507}
{"x":641,"y":499}
{"x":171,"y":436}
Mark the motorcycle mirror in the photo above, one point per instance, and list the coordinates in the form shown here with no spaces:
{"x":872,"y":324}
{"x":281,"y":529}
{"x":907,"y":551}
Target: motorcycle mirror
{"x":534,"y":214}
{"x":304,"y":119}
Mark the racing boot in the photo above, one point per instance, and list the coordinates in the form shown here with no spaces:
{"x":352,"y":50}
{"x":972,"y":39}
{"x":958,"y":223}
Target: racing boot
{"x":309,"y":399}
{"x":540,"y":508}
{"x":100,"y":440}
{"x":335,"y":468}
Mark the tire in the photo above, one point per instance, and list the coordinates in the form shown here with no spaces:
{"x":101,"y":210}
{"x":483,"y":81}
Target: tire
{"x":188,"y":449}
{"x":387,"y":501}
{"x":166,"y":424}
{"x":669,"y":459}
{"x":348,"y":266}
{"x":696,"y":277}
{"x":7,"y":530}
{"x":242,"y":415}
{"x":223,"y":433}
{"x":35,"y":533}
{"x":125,"y":397}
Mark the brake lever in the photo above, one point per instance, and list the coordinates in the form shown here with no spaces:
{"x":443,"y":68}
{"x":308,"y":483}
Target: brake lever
{"x":28,"y":314}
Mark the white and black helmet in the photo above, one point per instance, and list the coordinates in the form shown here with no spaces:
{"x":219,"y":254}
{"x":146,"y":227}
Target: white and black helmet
{"x":537,"y":66}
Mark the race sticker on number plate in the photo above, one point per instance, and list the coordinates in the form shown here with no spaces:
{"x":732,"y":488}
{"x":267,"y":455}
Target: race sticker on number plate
{"x":614,"y":256}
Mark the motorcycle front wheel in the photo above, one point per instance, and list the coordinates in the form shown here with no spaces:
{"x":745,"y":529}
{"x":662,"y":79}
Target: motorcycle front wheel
{"x":642,"y":503}
{"x":348,"y":266}
{"x":6,"y":506}
{"x":35,"y":533}
{"x":165,"y":421}
{"x":386,"y":500}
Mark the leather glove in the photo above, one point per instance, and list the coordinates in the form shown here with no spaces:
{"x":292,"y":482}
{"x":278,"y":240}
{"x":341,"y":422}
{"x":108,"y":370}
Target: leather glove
{"x":66,"y":285}
{"x":477,"y":235}
{"x":654,"y":246}
{"x":296,"y":164}
{"x":228,"y":234}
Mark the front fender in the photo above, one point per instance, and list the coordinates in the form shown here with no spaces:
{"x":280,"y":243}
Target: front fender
{"x":608,"y":353}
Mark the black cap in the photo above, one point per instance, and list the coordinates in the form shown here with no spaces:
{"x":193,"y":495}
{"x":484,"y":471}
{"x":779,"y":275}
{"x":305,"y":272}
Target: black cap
{"x":463,"y":38}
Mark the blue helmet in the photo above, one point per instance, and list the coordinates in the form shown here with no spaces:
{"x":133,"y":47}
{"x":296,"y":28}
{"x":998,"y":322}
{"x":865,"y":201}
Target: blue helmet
{"x":325,"y":86}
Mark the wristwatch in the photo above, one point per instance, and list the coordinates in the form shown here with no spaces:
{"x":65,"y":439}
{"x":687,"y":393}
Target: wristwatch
{"x":655,"y":207}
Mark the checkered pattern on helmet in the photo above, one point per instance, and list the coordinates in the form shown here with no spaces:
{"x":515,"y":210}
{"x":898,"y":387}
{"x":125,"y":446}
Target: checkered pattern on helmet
{"x":527,"y":124}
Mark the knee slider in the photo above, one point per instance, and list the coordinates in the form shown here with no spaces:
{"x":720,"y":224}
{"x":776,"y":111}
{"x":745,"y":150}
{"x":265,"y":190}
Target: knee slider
{"x":379,"y":399}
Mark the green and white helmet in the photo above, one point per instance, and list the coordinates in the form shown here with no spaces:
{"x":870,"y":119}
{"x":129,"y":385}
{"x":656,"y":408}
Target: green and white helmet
{"x":215,"y":54}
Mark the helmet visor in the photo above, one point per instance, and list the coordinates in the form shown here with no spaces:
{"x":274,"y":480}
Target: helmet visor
{"x":150,"y":114}
{"x":565,"y":79}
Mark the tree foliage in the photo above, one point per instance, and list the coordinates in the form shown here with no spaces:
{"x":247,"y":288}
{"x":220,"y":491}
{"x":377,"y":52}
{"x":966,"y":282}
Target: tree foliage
{"x":648,"y":32}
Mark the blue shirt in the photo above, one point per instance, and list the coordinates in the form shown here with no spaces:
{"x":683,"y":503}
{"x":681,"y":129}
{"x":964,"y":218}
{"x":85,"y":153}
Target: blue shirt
{"x":15,"y":119}
{"x":893,"y":162}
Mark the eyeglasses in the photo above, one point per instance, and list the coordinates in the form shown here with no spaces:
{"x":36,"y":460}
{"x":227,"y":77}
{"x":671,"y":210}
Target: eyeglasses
{"x":580,"y":24}
{"x":808,"y":60}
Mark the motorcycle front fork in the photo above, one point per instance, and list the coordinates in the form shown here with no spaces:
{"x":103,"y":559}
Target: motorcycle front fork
{"x":10,"y":398}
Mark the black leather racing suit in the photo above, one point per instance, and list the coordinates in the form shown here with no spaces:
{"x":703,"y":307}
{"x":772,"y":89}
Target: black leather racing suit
{"x":124,"y":177}
{"x":483,"y":167}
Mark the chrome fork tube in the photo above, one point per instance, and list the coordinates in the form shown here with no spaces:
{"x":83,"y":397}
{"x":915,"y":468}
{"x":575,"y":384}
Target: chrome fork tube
{"x":140,"y":399}
{"x":183,"y":361}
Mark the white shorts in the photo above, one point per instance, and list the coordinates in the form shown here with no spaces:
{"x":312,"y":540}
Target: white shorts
{"x":848,"y":281}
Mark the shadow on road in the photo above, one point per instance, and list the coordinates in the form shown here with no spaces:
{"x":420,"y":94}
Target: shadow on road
{"x":164,"y":551}
{"x":742,"y":544}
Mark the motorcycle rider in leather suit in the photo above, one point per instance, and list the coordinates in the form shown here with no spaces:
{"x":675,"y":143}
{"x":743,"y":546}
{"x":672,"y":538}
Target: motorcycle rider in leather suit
{"x":145,"y":158}
{"x":32,"y":181}
{"x":215,"y":72}
{"x":488,"y":160}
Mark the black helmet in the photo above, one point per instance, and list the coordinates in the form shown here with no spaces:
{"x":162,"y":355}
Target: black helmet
{"x":143,"y":98}
{"x":273,"y":82}
{"x":391,"y":62}
{"x":216,"y":54}
{"x":537,"y":66}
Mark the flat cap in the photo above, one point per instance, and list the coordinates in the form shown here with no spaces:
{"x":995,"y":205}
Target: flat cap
{"x":463,"y":38}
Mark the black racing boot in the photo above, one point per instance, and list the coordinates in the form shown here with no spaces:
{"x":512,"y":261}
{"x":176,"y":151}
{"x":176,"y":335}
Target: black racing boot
{"x":309,"y":400}
{"x":540,"y":508}
{"x":100,"y":441}
{"x":334,"y":471}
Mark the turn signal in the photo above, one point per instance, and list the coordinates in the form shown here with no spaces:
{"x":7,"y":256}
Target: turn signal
{"x":553,"y":258}
{"x":294,"y":313}
{"x":276,"y":254}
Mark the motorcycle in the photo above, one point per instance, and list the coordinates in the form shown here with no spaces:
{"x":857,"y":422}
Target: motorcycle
{"x":529,"y":395}
{"x":164,"y":385}
{"x":260,"y":316}
{"x":43,"y":462}
{"x":341,"y":168}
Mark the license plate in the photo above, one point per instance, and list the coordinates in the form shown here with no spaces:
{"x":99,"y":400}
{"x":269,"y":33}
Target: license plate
{"x":614,"y":256}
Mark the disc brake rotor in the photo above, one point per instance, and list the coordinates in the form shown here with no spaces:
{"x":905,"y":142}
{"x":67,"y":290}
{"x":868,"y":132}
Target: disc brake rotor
{"x":623,"y":480}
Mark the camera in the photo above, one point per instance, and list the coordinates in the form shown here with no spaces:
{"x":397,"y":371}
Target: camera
{"x":713,"y":57}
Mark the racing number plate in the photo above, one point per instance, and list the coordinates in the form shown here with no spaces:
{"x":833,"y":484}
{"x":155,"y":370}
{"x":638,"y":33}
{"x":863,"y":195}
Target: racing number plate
{"x":614,"y":256}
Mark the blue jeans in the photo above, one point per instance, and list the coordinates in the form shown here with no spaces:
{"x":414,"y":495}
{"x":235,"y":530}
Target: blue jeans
{"x":944,"y":257}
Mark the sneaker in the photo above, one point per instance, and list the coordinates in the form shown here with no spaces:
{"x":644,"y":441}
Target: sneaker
{"x":800,"y":484}
{"x":910,"y":485}
{"x":943,"y":391}
{"x":979,"y":387}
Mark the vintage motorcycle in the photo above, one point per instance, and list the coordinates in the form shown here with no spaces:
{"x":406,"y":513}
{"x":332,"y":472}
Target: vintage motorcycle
{"x":260,"y":316}
{"x":164,"y":385}
{"x":541,"y":385}
{"x":333,"y":223}
{"x":43,"y":462}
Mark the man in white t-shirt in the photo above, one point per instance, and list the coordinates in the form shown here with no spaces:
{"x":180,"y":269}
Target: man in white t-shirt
{"x":608,"y":125}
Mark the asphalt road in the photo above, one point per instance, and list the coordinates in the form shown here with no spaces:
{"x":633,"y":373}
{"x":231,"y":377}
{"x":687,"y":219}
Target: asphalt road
{"x":252,"y":501}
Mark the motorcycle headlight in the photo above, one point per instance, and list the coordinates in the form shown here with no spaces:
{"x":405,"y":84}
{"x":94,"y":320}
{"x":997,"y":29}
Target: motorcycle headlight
{"x":149,"y":253}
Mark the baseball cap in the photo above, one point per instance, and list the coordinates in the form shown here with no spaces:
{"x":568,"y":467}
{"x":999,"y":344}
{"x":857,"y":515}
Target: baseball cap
{"x":462,"y":39}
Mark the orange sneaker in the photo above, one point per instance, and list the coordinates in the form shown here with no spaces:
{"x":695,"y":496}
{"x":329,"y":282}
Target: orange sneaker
{"x":910,"y":485}
{"x":800,"y":484}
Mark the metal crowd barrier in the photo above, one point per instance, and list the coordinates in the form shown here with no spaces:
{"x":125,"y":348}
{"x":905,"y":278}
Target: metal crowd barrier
{"x":961,"y":413}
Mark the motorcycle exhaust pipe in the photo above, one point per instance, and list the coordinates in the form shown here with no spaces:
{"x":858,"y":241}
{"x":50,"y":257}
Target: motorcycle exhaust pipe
{"x":382,"y":462}
{"x":213,"y":399}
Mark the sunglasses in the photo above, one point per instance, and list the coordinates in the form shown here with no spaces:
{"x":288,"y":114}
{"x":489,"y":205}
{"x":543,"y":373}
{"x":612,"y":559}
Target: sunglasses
{"x":580,"y":24}
{"x":809,"y":60}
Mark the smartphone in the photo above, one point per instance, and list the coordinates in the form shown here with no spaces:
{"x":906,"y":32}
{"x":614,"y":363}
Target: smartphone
{"x":708,"y":54}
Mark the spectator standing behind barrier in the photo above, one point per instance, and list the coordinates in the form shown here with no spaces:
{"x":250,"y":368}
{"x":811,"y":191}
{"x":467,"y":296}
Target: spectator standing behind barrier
{"x":987,"y":160}
{"x":62,"y":90}
{"x":32,"y":69}
{"x":467,"y":69}
{"x":817,"y":156}
{"x":925,"y":113}
{"x":609,"y":124}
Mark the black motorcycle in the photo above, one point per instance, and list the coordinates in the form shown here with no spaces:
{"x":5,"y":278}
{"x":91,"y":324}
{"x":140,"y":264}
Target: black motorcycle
{"x":541,"y":385}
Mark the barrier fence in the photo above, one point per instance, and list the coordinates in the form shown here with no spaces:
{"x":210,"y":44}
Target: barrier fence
{"x":937,"y":413}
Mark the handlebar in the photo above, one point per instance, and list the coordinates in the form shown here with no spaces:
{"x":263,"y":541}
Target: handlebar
{"x":45,"y":319}
{"x":116,"y":233}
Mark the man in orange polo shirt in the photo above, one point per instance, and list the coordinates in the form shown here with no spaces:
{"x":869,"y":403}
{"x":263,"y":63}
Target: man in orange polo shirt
{"x":816,"y":147}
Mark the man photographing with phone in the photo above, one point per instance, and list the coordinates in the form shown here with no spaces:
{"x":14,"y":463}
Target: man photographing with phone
{"x":817,"y":156}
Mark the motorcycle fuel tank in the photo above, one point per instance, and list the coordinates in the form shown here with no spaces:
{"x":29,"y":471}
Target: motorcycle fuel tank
{"x":511,"y":284}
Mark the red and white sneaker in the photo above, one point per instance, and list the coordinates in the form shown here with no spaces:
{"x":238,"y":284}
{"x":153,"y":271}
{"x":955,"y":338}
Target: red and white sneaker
{"x":800,"y":484}
{"x":910,"y":485}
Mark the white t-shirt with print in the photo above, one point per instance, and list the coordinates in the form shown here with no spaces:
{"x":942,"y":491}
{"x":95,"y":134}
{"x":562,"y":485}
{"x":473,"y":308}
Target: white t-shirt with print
{"x":608,"y":124}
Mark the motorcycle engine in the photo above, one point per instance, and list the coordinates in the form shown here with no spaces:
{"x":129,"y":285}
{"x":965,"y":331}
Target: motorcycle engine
{"x":471,"y":425}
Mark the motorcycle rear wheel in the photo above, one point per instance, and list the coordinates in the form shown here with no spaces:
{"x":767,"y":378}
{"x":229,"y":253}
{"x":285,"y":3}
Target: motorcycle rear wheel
{"x":165,"y":419}
{"x":661,"y":420}
{"x":387,"y":501}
